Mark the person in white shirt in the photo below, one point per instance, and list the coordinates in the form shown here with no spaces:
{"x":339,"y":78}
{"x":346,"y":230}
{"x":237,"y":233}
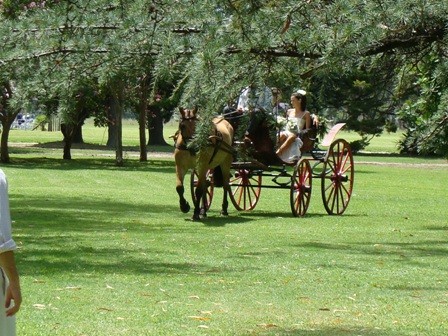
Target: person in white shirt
{"x":256,"y":102}
{"x":10,"y":292}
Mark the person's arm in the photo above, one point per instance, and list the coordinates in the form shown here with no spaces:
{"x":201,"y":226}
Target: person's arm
{"x":307,"y":120}
{"x":13,"y":292}
{"x":315,"y":120}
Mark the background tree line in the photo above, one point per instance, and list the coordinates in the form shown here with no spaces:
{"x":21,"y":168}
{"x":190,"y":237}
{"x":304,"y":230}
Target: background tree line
{"x":373,"y":64}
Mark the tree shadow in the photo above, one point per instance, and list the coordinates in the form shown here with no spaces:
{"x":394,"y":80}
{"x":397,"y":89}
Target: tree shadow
{"x":64,"y":234}
{"x":159,"y":165}
{"x":329,"y":331}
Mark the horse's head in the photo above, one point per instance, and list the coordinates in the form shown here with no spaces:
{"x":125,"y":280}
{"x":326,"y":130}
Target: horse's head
{"x":187,"y":124}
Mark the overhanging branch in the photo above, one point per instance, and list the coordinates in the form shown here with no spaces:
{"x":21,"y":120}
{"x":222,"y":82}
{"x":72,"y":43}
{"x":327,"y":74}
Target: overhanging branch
{"x":275,"y":52}
{"x":417,"y":38}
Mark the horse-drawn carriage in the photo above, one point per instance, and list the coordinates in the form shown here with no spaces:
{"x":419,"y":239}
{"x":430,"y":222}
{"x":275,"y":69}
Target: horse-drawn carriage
{"x":253,"y":160}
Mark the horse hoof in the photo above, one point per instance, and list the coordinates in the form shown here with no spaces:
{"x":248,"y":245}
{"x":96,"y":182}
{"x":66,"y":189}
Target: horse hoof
{"x":224,"y":213}
{"x":196,"y":218}
{"x":185,"y":207}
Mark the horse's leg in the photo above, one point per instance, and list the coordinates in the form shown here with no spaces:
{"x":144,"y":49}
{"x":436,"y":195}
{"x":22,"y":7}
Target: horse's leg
{"x":198,"y":198}
{"x":225,"y":202}
{"x":204,"y":203}
{"x":183,"y":203}
{"x":180,"y":174}
{"x":225,"y":169}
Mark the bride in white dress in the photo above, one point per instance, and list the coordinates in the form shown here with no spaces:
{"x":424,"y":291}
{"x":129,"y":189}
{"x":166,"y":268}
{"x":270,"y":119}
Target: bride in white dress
{"x":297,"y":120}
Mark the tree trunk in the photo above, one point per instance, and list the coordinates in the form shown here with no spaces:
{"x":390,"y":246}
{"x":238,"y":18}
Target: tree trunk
{"x":112,"y":132}
{"x":4,"y":150}
{"x":155,"y":122}
{"x":142,"y":124}
{"x":67,"y":132}
{"x":117,"y":112}
{"x":77,"y":134}
{"x":6,"y":119}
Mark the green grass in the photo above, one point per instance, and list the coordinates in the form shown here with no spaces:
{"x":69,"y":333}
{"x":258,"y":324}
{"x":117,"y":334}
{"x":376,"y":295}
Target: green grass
{"x":106,"y":251}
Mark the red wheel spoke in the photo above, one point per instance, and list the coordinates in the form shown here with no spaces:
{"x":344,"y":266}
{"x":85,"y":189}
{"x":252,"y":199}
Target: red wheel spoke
{"x":245,"y":189}
{"x":301,"y":183}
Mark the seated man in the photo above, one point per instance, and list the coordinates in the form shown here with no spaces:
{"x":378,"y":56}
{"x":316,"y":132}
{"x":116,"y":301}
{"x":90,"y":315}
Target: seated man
{"x":255,"y":102}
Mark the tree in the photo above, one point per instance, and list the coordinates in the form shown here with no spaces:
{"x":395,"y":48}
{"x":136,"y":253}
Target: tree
{"x":71,"y":42}
{"x":350,"y":55}
{"x":8,"y":114}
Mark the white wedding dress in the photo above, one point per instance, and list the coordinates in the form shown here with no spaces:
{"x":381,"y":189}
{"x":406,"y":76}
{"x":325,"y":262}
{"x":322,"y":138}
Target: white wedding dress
{"x":292,"y":153}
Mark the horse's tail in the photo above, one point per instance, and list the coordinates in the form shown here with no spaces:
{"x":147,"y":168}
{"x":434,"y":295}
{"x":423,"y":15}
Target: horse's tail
{"x":218,"y":179}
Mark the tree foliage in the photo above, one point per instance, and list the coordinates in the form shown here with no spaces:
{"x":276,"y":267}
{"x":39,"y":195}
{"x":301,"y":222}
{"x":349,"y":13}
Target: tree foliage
{"x":361,"y":61}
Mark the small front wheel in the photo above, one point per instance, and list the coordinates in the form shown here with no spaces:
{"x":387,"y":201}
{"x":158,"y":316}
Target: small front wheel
{"x":301,"y":183}
{"x":209,"y":187}
{"x":245,"y":188}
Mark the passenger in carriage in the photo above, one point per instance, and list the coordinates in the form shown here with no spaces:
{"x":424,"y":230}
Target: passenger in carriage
{"x":257,"y":103}
{"x":298,"y":120}
{"x":279,"y":108}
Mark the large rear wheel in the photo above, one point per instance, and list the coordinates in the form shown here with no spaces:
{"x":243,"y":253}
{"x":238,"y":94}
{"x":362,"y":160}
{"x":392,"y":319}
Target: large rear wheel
{"x":337,"y":177}
{"x":245,"y":188}
{"x":301,"y":183}
{"x":209,"y":187}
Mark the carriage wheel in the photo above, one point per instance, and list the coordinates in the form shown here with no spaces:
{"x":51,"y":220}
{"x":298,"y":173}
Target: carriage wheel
{"x":337,"y":177}
{"x":245,"y":189}
{"x":301,"y":182}
{"x":209,"y":189}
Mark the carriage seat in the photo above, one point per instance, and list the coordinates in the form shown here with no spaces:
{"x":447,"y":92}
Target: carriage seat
{"x":309,"y":138}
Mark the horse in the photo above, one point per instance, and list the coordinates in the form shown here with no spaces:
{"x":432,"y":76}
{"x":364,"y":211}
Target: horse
{"x":217,"y":154}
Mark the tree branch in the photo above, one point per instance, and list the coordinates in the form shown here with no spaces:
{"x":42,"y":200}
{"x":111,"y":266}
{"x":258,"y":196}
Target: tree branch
{"x":275,"y":52}
{"x":416,"y":38}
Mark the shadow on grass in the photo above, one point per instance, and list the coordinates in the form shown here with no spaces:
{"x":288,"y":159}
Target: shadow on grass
{"x":330,"y":331}
{"x":82,"y":235}
{"x":417,"y":254}
{"x":289,"y":215}
{"x":220,"y":221}
{"x":159,"y":165}
{"x":437,"y":228}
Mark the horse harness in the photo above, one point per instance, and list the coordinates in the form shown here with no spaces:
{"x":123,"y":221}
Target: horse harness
{"x":215,"y":140}
{"x":185,"y":139}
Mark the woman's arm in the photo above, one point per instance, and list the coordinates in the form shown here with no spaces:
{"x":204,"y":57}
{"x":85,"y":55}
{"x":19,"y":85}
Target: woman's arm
{"x":307,"y":120}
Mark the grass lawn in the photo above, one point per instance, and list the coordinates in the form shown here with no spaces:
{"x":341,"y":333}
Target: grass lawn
{"x":105,"y":251}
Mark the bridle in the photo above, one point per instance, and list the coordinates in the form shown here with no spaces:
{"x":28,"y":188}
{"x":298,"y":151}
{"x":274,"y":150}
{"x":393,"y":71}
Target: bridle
{"x":185,"y":138}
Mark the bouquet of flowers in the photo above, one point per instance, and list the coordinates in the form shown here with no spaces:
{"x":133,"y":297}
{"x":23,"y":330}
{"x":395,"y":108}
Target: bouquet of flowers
{"x":286,"y":124}
{"x":281,"y":122}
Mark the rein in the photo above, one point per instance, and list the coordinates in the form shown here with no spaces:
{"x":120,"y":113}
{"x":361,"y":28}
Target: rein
{"x":232,"y":115}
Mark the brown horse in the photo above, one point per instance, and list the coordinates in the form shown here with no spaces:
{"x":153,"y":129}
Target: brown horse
{"x":217,"y":154}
